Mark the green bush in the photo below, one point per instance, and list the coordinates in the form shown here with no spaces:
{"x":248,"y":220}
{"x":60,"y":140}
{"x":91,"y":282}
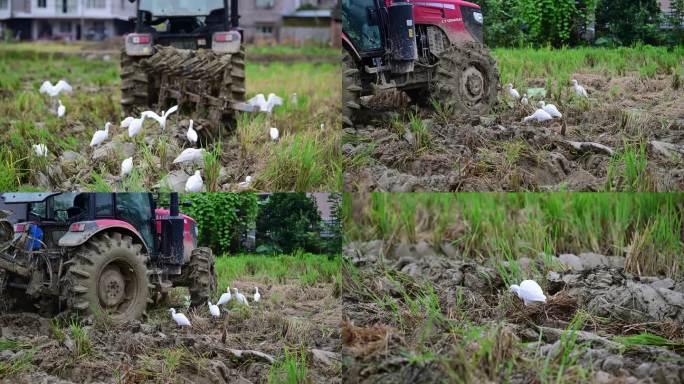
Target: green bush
{"x":288,"y":222}
{"x":222,"y":218}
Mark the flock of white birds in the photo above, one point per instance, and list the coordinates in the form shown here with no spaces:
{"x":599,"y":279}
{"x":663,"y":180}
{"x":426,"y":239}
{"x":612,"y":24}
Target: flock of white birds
{"x":544,"y":111}
{"x":135,"y":125}
{"x":214,"y":309}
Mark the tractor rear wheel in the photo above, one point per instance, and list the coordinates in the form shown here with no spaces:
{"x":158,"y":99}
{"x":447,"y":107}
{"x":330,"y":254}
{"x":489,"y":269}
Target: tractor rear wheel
{"x":137,"y":86}
{"x":466,"y":79}
{"x":108,"y":275}
{"x":351,"y":90}
{"x":201,"y":276}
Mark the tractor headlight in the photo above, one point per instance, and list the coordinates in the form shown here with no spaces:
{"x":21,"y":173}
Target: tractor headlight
{"x":478,"y":17}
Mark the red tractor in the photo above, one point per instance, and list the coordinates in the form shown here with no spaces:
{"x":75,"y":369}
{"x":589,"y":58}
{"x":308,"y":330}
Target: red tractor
{"x":424,"y":49}
{"x":111,"y":253}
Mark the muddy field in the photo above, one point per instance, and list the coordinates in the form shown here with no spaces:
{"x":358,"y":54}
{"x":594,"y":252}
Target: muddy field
{"x":420,"y":314}
{"x":637,"y":122}
{"x":304,"y":157}
{"x":293,"y":332}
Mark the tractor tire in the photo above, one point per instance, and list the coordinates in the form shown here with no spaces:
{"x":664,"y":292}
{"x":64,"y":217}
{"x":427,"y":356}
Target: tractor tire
{"x":204,"y":84}
{"x":466,"y":79}
{"x":201,"y":276}
{"x":108,"y":274}
{"x":137,"y":86}
{"x":351,"y":90}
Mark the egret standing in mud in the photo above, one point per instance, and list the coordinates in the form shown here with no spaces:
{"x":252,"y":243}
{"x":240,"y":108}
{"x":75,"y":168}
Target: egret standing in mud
{"x":225,"y":297}
{"x":512,"y":92}
{"x":179,"y":318}
{"x":126,"y":166}
{"x":257,"y":295}
{"x":61,"y":110}
{"x":275,"y":134}
{"x":579,"y":90}
{"x":524,"y":100}
{"x":190,"y":155}
{"x":40,"y":150}
{"x":550,"y":109}
{"x":214,"y":310}
{"x":100,"y":136}
{"x":529,"y":291}
{"x":191,"y":134}
{"x":241,"y":299}
{"x":539,"y":116}
{"x":194,"y":183}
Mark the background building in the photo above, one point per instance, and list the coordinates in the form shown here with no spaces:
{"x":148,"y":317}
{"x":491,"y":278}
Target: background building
{"x":269,"y":21}
{"x":66,"y":19}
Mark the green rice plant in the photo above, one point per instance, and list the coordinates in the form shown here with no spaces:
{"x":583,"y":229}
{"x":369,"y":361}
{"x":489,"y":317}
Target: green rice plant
{"x":290,"y":369}
{"x":83,"y":344}
{"x":421,"y":135}
{"x":212,"y":168}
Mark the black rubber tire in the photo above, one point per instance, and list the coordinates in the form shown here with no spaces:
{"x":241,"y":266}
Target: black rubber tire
{"x":137,"y":86}
{"x":201,"y":276}
{"x":99,"y":258}
{"x":351,"y":90}
{"x":450,"y":88}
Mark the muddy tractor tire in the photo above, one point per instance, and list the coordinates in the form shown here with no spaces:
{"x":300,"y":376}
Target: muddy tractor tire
{"x":466,"y":79}
{"x":351,"y":90}
{"x":201,"y":276}
{"x":108,"y":274}
{"x":204,"y":84}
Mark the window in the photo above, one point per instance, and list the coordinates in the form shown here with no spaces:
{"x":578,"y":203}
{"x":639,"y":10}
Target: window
{"x":42,"y":3}
{"x":3,"y":4}
{"x":103,"y":204}
{"x":264,"y":4}
{"x":264,"y":29}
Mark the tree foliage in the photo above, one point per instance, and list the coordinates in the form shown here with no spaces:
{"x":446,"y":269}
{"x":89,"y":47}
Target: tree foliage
{"x":289,"y":221}
{"x":629,"y":21}
{"x":222,"y":218}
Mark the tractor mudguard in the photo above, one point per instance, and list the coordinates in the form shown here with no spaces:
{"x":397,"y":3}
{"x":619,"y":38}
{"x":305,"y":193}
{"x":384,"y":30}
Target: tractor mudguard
{"x":82,"y":231}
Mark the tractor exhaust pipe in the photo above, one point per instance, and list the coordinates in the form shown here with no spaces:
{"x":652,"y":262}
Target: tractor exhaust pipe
{"x":174,"y":205}
{"x":234,"y":15}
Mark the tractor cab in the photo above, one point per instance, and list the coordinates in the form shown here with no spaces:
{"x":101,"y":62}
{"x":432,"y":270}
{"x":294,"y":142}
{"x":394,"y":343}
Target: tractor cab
{"x":112,"y":251}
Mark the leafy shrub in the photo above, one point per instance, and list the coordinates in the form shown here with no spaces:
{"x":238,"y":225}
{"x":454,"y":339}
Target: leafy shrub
{"x":222,"y":218}
{"x":289,"y":221}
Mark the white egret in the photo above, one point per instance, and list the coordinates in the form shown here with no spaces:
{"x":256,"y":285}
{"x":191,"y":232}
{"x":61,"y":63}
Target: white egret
{"x":126,"y":166}
{"x":293,"y":98}
{"x":214,"y":310}
{"x":190,"y":155}
{"x":135,"y":126}
{"x":225,"y":297}
{"x":179,"y":318}
{"x":40,"y":150}
{"x":55,"y":90}
{"x":246,"y":183}
{"x":100,"y":136}
{"x":550,"y":109}
{"x":164,"y":116}
{"x":264,"y":104}
{"x":241,"y":299}
{"x":61,"y":110}
{"x":275,"y":134}
{"x":127,"y":122}
{"x":579,"y":90}
{"x":191,"y":134}
{"x":524,"y":100}
{"x":257,"y":295}
{"x":539,"y":115}
{"x":512,"y":92}
{"x":194,"y":183}
{"x":529,"y":291}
